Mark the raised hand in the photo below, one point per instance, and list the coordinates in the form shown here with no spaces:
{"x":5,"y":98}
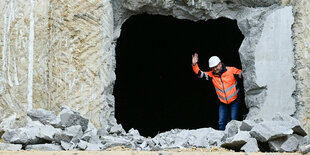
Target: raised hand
{"x":194,"y":59}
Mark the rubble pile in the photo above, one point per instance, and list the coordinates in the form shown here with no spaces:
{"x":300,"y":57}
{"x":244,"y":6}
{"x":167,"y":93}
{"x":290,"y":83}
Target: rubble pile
{"x":69,"y":130}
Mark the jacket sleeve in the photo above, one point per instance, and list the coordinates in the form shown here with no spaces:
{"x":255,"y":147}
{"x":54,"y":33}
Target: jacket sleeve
{"x":199,"y":73}
{"x":236,"y":70}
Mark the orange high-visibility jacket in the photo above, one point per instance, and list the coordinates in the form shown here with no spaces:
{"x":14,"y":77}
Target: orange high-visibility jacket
{"x":225,"y":84}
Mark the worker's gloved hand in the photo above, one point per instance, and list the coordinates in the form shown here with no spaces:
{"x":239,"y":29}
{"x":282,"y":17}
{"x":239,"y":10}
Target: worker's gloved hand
{"x":194,"y":59}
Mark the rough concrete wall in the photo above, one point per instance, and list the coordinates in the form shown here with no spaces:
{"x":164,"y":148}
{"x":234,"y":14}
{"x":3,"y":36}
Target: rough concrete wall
{"x":301,"y":38}
{"x":274,"y":63}
{"x":57,"y":53}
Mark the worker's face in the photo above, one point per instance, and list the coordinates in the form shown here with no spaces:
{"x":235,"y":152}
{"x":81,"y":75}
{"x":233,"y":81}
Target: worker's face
{"x":217,"y":68}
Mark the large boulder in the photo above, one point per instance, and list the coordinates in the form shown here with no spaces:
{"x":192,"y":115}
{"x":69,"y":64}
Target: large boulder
{"x":269,"y":130}
{"x":25,"y":135}
{"x":232,"y":128}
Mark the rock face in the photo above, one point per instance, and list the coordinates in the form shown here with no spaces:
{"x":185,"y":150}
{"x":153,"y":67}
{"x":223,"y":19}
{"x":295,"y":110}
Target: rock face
{"x":57,"y":53}
{"x":63,"y":53}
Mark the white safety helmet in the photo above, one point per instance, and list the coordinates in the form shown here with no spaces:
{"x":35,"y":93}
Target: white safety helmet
{"x":213,"y":61}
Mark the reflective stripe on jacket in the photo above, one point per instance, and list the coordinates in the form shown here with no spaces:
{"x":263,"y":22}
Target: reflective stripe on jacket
{"x":225,"y":84}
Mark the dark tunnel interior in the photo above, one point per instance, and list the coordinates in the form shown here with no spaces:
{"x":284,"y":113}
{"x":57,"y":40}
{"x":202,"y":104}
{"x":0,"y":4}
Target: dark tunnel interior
{"x":156,"y":89}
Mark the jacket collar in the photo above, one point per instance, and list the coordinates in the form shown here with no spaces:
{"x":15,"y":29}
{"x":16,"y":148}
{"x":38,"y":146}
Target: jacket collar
{"x":221,"y":71}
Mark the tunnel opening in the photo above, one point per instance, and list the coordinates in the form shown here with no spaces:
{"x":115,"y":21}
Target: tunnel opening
{"x":156,"y":89}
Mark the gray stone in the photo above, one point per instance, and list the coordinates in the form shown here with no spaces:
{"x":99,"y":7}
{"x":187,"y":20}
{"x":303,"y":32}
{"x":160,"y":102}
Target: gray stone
{"x":67,"y":146}
{"x":302,"y":140}
{"x":10,"y":122}
{"x":117,"y":129}
{"x":10,"y":147}
{"x":144,"y":145}
{"x":94,"y":147}
{"x":250,"y":146}
{"x":72,"y":133}
{"x":176,"y":138}
{"x":56,"y":122}
{"x":112,"y":141}
{"x":94,"y":139}
{"x":290,"y":122}
{"x":206,"y":137}
{"x":269,"y":130}
{"x":286,"y":144}
{"x":299,"y":130}
{"x":42,"y":115}
{"x":275,"y":144}
{"x":290,"y":145}
{"x":247,"y":125}
{"x":133,"y":132}
{"x":47,"y":132}
{"x":90,"y":135}
{"x":44,"y":147}
{"x":82,"y":145}
{"x":237,"y":141}
{"x":62,"y":136}
{"x":70,"y":118}
{"x":232,"y":128}
{"x":304,"y":149}
{"x":22,"y":136}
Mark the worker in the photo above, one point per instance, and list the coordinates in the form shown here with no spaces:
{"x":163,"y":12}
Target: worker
{"x":225,"y":83}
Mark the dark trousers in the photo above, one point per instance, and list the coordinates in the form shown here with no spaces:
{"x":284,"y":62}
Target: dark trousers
{"x":224,"y":110}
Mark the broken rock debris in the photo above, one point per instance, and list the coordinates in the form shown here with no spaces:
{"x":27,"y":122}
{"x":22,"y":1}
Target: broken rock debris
{"x":69,"y":130}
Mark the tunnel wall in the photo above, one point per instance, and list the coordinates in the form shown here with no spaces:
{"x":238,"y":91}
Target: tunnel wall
{"x":266,"y":52}
{"x":56,"y":53}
